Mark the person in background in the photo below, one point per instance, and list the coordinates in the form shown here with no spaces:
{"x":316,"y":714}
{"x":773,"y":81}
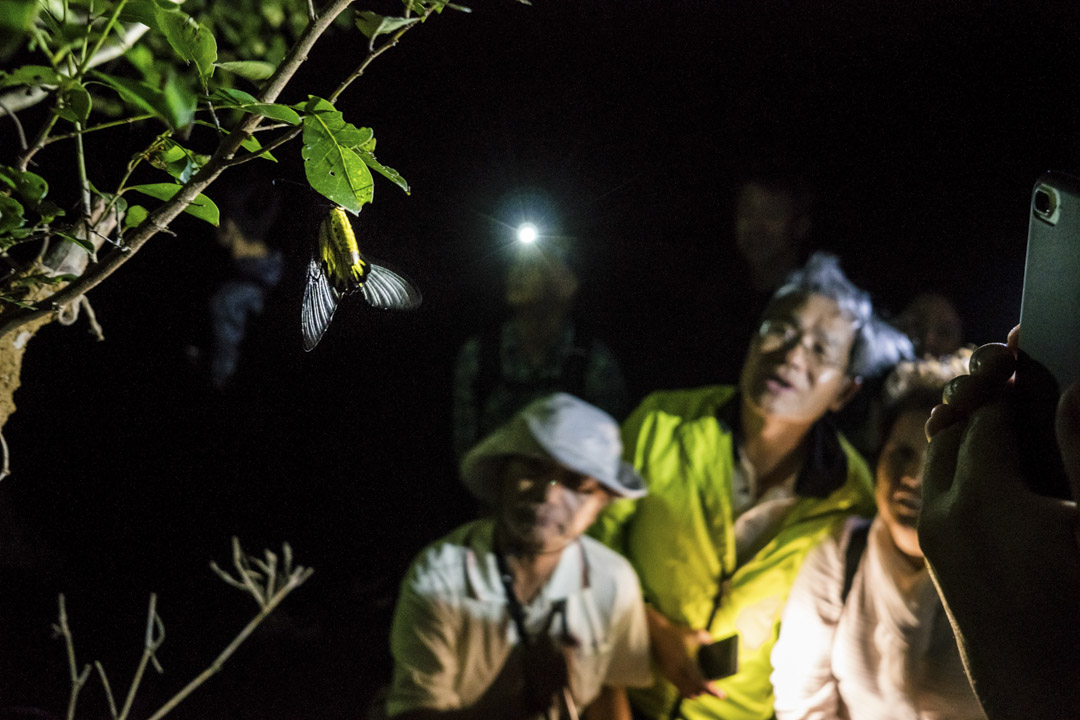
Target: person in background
{"x":933,"y":324}
{"x":539,"y":350}
{"x":864,"y":634}
{"x":771,"y":231}
{"x":743,"y":482}
{"x":517,"y":616}
{"x":1006,"y":558}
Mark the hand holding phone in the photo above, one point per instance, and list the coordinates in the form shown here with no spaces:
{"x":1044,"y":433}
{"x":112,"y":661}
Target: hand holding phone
{"x":719,"y":659}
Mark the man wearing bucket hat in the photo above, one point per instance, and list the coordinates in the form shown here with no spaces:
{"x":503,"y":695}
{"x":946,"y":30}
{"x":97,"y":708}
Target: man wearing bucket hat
{"x":518,"y":615}
{"x":743,"y":482}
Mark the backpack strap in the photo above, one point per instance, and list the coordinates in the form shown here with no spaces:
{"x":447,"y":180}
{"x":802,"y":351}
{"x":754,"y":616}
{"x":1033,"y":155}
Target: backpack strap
{"x":856,"y":546}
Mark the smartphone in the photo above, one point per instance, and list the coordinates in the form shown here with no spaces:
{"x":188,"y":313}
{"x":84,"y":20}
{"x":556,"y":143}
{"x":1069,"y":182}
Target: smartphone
{"x":719,"y":659}
{"x":1049,"y":327}
{"x":1050,"y":307}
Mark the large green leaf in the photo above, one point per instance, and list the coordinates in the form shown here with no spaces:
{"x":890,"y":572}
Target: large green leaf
{"x":30,"y":75}
{"x":244,"y":101}
{"x":332,"y":167}
{"x":191,"y":40}
{"x":373,"y":24}
{"x":254,"y":70}
{"x":201,"y":207}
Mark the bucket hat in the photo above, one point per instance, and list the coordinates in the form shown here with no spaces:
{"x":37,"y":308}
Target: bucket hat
{"x":575,"y":434}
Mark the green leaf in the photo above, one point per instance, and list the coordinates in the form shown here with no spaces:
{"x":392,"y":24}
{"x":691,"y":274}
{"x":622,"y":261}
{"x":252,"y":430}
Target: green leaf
{"x":253,"y":70}
{"x":175,"y":106}
{"x":81,"y":242}
{"x":135,"y":215}
{"x":29,"y":186}
{"x":16,"y":19}
{"x":11,"y":214}
{"x":168,"y":155}
{"x":191,"y":40}
{"x":179,"y":102}
{"x":252,"y":144}
{"x":75,"y":102}
{"x":247,"y":103}
{"x":332,"y":167}
{"x":389,"y":173}
{"x":145,"y":12}
{"x":373,"y":24}
{"x":201,"y":207}
{"x":33,"y":75}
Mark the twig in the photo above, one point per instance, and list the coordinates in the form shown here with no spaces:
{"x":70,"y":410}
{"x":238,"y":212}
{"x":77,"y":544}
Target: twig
{"x":5,"y":468}
{"x":372,"y":54}
{"x":78,"y":679}
{"x":103,"y":126}
{"x":108,"y":689}
{"x":150,"y":646}
{"x":273,"y":145}
{"x":269,"y":597}
{"x":18,"y":125}
{"x":91,"y":317}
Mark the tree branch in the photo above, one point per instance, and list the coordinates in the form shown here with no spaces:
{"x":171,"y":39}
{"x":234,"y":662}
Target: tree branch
{"x":160,"y":218}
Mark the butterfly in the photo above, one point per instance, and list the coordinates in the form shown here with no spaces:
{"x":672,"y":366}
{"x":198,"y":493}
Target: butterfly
{"x":337,"y":269}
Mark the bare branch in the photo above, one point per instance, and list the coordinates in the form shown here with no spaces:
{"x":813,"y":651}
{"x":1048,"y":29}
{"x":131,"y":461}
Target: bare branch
{"x":108,"y":689}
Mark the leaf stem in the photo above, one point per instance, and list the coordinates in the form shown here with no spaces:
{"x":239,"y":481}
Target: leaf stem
{"x":372,"y":54}
{"x":95,"y":128}
{"x":101,"y":40}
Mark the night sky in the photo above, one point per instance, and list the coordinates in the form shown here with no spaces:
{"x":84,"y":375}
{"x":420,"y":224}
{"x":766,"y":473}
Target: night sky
{"x":923,"y":128}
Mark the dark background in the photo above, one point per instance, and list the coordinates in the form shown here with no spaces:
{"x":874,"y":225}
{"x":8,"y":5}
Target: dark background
{"x":923,"y":127}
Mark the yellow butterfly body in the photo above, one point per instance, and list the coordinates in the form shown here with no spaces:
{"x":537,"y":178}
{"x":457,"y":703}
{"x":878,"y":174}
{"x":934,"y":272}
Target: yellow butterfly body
{"x":339,"y":251}
{"x":336,"y":269}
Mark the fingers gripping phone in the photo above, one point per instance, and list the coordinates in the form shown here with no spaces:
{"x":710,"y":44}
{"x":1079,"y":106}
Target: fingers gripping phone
{"x":1050,"y":309}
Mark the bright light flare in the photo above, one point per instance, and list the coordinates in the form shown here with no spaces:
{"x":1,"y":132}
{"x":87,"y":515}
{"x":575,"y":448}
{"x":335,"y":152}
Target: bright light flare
{"x":527,"y":234}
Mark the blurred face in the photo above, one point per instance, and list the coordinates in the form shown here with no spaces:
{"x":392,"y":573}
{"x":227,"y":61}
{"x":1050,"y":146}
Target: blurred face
{"x":544,"y":506}
{"x":796,"y":368}
{"x":767,"y":229}
{"x":536,"y":277}
{"x":933,"y":325}
{"x":899,"y":480}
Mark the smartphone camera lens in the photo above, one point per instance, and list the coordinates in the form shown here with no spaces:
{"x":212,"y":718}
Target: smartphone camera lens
{"x":1045,"y":203}
{"x":1042,"y":201}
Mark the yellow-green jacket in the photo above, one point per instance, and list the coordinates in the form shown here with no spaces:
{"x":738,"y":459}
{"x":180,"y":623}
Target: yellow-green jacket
{"x":680,"y":537}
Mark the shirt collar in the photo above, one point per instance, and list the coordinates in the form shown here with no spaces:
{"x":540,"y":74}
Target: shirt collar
{"x":482,"y":569}
{"x":825,"y":469}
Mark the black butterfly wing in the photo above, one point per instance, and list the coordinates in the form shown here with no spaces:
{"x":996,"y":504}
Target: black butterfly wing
{"x":384,"y":288}
{"x":320,"y":302}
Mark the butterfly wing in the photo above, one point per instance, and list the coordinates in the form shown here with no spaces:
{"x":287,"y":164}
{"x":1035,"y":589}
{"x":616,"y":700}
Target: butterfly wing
{"x":320,"y":302}
{"x":384,"y":288}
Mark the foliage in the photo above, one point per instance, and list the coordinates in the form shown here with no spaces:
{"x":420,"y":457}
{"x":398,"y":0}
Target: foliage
{"x":207,"y":74}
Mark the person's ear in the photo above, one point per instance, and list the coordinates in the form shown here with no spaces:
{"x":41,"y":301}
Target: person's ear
{"x":847,"y":391}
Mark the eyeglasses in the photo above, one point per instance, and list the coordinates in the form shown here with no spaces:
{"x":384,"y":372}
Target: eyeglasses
{"x":534,"y":472}
{"x":775,"y":335}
